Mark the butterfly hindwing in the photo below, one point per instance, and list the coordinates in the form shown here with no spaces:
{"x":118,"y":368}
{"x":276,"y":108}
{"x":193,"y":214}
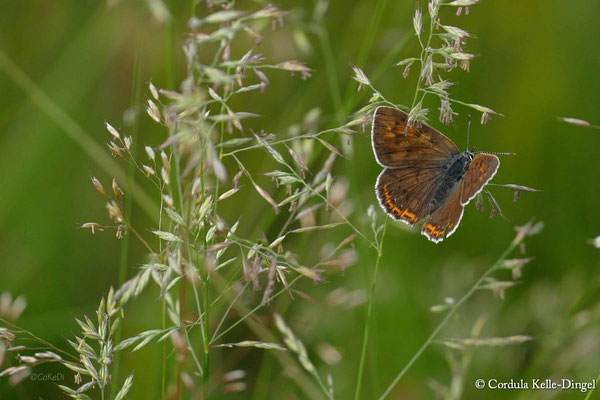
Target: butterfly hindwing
{"x":405,"y":193}
{"x":444,"y":221}
{"x":396,"y":144}
{"x":480,"y":172}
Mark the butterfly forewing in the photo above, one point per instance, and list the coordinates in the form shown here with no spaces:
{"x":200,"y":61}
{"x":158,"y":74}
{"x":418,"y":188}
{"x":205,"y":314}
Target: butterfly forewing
{"x":445,"y":219}
{"x":404,"y":193}
{"x":396,"y":144}
{"x":480,"y":172}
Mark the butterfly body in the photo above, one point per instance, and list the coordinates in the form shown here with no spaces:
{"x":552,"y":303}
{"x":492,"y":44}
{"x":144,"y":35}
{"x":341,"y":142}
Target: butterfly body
{"x":455,"y":171}
{"x":425,"y":177}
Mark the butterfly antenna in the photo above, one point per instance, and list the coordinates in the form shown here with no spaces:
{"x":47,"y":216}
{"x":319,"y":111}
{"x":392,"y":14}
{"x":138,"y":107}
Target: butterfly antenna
{"x":497,"y":153}
{"x":468,"y":131}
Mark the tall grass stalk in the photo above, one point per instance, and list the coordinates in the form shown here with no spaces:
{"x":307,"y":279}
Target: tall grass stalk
{"x":136,"y":93}
{"x":365,"y":343}
{"x":170,"y":79}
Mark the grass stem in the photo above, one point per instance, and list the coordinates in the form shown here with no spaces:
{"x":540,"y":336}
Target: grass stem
{"x":363,"y":353}
{"x":449,"y":315}
{"x":123,"y":260}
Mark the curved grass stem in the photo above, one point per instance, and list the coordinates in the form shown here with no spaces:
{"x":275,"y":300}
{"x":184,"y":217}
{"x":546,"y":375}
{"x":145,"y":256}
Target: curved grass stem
{"x":449,"y":315}
{"x":589,"y":395}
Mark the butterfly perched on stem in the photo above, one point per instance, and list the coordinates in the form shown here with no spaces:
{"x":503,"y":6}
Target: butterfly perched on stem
{"x":425,"y":177}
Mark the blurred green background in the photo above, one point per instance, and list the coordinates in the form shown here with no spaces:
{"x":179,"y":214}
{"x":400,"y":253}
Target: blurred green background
{"x":538,"y":60}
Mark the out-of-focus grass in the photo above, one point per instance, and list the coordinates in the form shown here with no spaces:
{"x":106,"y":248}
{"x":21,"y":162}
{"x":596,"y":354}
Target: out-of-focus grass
{"x":538,"y":61}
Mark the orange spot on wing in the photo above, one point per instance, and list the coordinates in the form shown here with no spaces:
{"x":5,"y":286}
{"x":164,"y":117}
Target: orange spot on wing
{"x":393,"y":208}
{"x":409,"y":215}
{"x":433,"y":231}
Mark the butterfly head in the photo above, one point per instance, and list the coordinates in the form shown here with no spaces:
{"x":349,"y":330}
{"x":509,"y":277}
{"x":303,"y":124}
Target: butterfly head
{"x":470,"y":154}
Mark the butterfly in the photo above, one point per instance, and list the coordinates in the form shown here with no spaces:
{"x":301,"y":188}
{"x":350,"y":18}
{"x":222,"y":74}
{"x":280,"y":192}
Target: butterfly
{"x":425,"y":177}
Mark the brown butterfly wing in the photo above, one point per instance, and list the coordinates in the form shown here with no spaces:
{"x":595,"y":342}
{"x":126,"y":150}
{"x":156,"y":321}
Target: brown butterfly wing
{"x":445,"y":219}
{"x":405,"y":193}
{"x":480,"y":172}
{"x":397,"y":145}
